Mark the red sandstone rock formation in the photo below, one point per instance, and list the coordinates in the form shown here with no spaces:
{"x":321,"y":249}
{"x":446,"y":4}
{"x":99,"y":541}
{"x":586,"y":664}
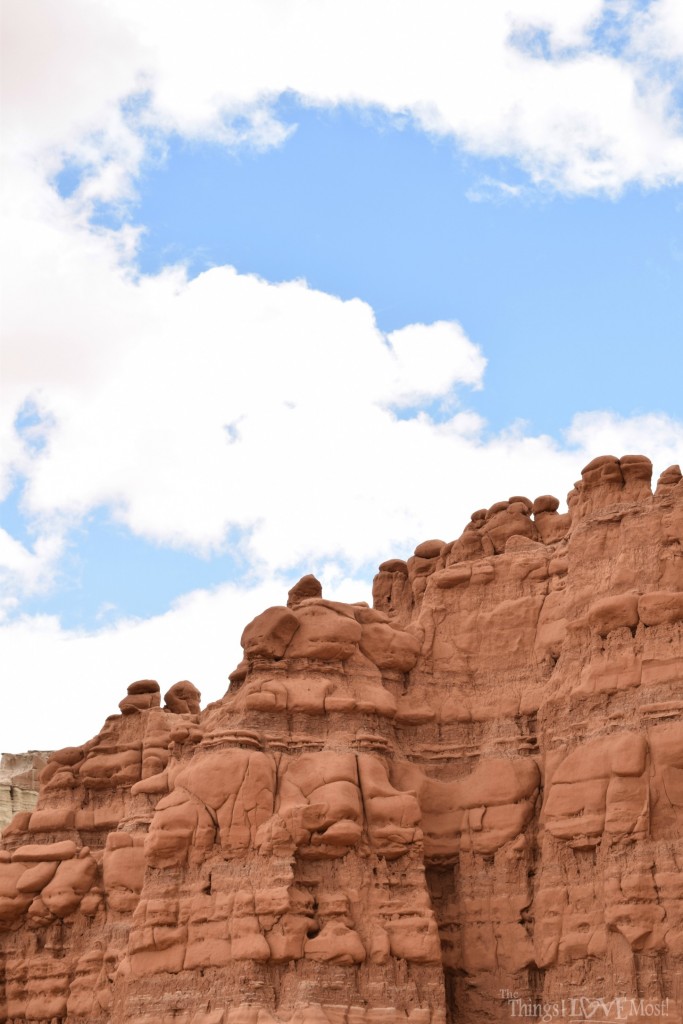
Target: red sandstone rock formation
{"x":469,"y":794}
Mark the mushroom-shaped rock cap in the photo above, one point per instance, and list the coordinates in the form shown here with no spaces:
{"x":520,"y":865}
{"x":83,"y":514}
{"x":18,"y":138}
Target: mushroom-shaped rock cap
{"x":545,"y":503}
{"x":144,"y":686}
{"x":394,"y":565}
{"x":636,"y":468}
{"x":429,"y":549}
{"x":520,"y":498}
{"x":517,"y":507}
{"x":308,"y":586}
{"x":606,"y":462}
{"x":635,"y":460}
{"x":141,"y":696}
{"x":183,"y":698}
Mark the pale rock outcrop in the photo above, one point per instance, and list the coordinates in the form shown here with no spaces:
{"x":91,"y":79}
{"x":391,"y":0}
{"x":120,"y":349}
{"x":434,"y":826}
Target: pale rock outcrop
{"x":19,"y":775}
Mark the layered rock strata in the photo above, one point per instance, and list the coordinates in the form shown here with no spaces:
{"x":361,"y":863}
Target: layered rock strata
{"x":461,"y":804}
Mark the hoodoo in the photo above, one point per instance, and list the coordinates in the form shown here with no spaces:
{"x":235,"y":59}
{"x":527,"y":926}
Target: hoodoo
{"x":456,"y":805}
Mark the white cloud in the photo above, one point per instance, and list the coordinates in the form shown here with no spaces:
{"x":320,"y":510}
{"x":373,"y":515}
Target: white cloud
{"x":24,"y":572}
{"x":607,"y":432}
{"x":430,"y":359}
{"x":582,"y":117}
{"x":659,"y":32}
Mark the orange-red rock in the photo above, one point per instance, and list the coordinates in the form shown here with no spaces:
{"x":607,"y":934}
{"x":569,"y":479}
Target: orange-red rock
{"x":464,"y":804}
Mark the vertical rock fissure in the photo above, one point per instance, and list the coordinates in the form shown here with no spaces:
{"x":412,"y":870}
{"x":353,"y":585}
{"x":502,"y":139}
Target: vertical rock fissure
{"x":442,"y":885}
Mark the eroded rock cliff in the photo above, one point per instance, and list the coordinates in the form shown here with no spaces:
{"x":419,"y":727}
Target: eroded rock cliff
{"x":468,"y":795}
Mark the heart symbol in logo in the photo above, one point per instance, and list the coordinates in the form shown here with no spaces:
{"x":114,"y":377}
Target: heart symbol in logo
{"x":589,"y":1007}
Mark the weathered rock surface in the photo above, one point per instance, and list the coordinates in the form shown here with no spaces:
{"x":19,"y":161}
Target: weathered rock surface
{"x":19,"y":774}
{"x":470,"y":793}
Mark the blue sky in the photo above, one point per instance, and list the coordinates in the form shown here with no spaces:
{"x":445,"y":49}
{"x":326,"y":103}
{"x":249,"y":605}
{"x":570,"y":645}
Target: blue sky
{"x":487,"y":215}
{"x":361,"y":205}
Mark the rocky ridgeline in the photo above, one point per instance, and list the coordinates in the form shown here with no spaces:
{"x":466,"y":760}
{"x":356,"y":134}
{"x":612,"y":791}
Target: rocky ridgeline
{"x":405,"y":813}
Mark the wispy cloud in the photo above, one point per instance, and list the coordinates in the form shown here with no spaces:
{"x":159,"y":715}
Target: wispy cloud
{"x":488,"y":190}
